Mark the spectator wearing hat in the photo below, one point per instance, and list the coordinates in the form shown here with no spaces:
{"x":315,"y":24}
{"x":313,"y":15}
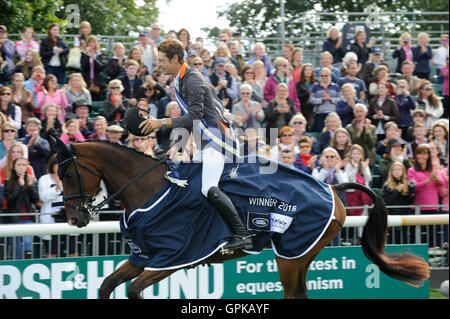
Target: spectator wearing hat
{"x":396,"y":152}
{"x":82,"y":109}
{"x":367,"y":72}
{"x":114,"y":133}
{"x":38,"y":148}
{"x":392,"y":131}
{"x":224,"y":85}
{"x":6,"y":47}
{"x":71,"y":132}
{"x":191,"y":55}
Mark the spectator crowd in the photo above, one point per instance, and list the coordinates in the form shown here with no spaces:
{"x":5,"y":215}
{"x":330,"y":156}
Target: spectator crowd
{"x":349,"y":119}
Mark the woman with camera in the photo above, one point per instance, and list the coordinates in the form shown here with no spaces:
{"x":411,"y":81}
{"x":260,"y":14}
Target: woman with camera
{"x":403,"y":52}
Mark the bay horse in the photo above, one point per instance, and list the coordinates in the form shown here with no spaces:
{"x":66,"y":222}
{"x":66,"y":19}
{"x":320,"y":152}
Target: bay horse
{"x":83,"y":165}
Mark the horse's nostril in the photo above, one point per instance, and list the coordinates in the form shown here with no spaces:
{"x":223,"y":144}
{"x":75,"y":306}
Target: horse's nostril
{"x":73,"y":221}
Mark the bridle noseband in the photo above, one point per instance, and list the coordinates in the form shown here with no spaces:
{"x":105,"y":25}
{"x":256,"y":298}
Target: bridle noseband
{"x":86,"y":199}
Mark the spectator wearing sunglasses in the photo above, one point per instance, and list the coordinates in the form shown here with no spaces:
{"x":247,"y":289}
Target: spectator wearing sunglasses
{"x":8,"y":108}
{"x":286,"y":141}
{"x":331,"y":170}
{"x":115,"y":104}
{"x":305,"y":160}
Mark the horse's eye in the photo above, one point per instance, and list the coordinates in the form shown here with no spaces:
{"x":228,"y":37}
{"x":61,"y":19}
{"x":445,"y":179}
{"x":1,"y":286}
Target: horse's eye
{"x":69,"y":175}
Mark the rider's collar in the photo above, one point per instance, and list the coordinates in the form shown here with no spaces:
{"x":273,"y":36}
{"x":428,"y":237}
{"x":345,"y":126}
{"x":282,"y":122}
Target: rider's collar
{"x":182,"y":70}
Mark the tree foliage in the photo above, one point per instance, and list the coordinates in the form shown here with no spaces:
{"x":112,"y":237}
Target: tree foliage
{"x":109,"y":17}
{"x":36,"y":13}
{"x":263,"y":17}
{"x":114,"y":17}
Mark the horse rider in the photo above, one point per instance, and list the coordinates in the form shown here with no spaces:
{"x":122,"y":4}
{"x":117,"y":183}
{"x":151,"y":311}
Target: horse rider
{"x":202,"y":113}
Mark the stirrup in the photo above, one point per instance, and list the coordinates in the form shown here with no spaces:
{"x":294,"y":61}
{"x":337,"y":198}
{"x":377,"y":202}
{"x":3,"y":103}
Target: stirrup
{"x":246,"y":243}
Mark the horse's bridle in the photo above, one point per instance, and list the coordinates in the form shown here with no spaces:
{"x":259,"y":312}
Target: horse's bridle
{"x":86,"y":199}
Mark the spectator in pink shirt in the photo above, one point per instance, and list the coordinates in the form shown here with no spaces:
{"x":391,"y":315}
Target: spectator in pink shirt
{"x":27,"y":42}
{"x":50,"y":94}
{"x":71,"y":132}
{"x":426,"y":182}
{"x":443,"y":192}
{"x":281,"y":75}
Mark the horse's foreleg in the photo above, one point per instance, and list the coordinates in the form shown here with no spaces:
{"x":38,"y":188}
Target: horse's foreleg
{"x":145,"y":279}
{"x":125,"y":272}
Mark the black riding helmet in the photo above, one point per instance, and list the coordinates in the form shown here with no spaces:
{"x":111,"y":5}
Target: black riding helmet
{"x":132,"y":120}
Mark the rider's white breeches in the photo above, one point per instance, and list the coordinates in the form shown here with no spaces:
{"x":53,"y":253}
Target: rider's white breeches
{"x":213,"y":164}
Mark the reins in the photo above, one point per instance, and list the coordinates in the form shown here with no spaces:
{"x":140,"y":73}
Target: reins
{"x":97,"y":207}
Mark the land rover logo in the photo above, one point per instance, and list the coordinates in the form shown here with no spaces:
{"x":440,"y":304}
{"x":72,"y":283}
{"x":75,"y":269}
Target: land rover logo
{"x":260,"y":222}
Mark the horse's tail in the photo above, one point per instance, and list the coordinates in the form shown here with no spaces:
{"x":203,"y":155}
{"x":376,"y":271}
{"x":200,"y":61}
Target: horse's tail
{"x":406,"y":267}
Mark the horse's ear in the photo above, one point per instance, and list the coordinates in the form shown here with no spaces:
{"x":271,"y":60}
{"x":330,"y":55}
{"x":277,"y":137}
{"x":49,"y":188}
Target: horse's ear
{"x":58,"y":144}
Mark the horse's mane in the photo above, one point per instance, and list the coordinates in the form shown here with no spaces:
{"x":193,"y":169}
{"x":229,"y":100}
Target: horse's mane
{"x":121,"y":147}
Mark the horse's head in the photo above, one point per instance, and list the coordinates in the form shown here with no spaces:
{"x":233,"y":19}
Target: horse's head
{"x":80,"y":184}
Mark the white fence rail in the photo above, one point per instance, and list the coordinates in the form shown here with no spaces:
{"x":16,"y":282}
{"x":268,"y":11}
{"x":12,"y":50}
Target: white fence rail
{"x":113,"y":226}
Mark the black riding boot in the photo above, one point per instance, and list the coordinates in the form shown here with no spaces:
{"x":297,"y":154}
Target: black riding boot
{"x":241,"y":237}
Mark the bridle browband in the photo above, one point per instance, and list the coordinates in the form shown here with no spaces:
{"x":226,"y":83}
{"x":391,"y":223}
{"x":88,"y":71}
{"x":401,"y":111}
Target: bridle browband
{"x":87,"y":199}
